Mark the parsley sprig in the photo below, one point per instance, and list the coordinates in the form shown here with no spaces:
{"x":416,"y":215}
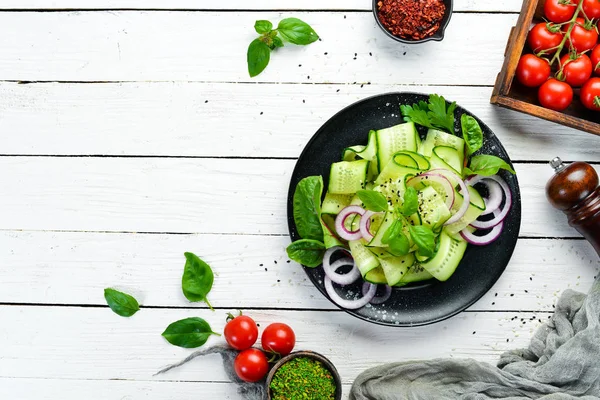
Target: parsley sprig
{"x":432,"y":114}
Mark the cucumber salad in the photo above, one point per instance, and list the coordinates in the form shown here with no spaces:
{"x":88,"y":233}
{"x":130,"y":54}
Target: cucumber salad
{"x":401,"y":209}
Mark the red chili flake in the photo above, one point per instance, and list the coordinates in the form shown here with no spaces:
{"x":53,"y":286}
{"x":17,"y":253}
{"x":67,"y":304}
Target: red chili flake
{"x":416,"y":19}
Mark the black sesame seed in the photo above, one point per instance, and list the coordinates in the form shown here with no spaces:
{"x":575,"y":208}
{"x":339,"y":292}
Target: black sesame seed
{"x":261,"y":113}
{"x":260,"y":265}
{"x":275,"y":261}
{"x":474,"y":332}
{"x":278,"y":280}
{"x":512,"y":294}
{"x":205,"y":101}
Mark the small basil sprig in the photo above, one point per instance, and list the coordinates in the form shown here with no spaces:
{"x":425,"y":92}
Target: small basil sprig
{"x":424,"y":238}
{"x":188,"y":333}
{"x":472,"y":133}
{"x":292,"y":30}
{"x":121,"y":303}
{"x":307,"y":252}
{"x":197,"y":279}
{"x":486,"y":165}
{"x":410,"y":205}
{"x":373,"y":201}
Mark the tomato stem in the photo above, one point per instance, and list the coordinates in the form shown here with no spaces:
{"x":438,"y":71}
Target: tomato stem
{"x":596,"y":101}
{"x":572,"y":23}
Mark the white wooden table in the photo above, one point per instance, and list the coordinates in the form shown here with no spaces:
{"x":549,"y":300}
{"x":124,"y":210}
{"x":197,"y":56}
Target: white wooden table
{"x":130,"y":133}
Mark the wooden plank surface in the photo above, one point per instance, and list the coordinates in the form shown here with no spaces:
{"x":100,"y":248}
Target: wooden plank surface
{"x":94,"y":343}
{"x":128,"y":47}
{"x":74,"y":268}
{"x":459,"y":5}
{"x":204,"y":119}
{"x":238,"y":196}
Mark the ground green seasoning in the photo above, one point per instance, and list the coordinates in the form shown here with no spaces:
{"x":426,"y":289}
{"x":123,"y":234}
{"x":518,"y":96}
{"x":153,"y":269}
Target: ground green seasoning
{"x":302,"y":378}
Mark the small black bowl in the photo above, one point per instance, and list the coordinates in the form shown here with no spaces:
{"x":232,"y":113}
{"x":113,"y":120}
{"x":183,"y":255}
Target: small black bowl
{"x":308,"y":354}
{"x":437,"y":36}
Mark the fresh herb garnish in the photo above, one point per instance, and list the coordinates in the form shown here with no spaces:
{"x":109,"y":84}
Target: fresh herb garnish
{"x":432,"y":114}
{"x":197,"y":279}
{"x":188,"y":333}
{"x":307,"y":208}
{"x":399,"y":245}
{"x":410,"y":205}
{"x":373,"y":200}
{"x":486,"y":165}
{"x":121,"y":303}
{"x":292,"y":30}
{"x":424,"y":238}
{"x":307,"y":252}
{"x":472,"y":133}
{"x":393,"y":231}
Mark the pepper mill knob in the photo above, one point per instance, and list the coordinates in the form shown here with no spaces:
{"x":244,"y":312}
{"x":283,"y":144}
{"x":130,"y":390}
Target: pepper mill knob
{"x":570,"y":184}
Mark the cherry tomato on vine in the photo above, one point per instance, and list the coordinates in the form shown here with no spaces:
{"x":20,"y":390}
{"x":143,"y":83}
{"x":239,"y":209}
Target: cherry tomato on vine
{"x":540,"y":38}
{"x":591,"y":8}
{"x":590,"y":94}
{"x":241,"y":332}
{"x":555,"y":95}
{"x":251,"y":365}
{"x":595,"y":58}
{"x":532,"y":70}
{"x":278,"y":338}
{"x":557,"y":11}
{"x":583,"y":36}
{"x":576,"y":71}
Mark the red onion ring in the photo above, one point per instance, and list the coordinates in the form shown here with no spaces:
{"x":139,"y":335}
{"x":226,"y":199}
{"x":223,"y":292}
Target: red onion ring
{"x":365,"y":223}
{"x":498,"y":218}
{"x":377,"y":299}
{"x":330,"y":268}
{"x":345,"y":303}
{"x":438,"y":178}
{"x":466,"y":199}
{"x":494,"y":199}
{"x":341,"y":219}
{"x":485,"y":239}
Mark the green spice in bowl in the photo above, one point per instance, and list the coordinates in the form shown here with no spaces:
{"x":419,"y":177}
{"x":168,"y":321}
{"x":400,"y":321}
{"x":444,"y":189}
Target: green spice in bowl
{"x":304,"y":375}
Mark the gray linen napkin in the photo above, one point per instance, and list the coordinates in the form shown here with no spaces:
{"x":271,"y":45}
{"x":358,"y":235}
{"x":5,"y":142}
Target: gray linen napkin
{"x":562,"y":362}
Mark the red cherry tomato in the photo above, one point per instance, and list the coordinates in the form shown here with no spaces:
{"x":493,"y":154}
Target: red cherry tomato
{"x":278,"y":338}
{"x":577,"y":71}
{"x":582,"y":38}
{"x":241,"y":332}
{"x":595,"y":58}
{"x":590,"y":94}
{"x":532,"y":71}
{"x":591,"y":8}
{"x":557,"y":12}
{"x":540,"y":38}
{"x":555,"y":95}
{"x":251,"y":365}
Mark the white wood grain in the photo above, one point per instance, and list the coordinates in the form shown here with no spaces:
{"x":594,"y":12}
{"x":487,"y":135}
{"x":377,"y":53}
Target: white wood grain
{"x":94,"y":343}
{"x":187,"y":195}
{"x":128,"y":46}
{"x":459,"y":5}
{"x":73,"y":268}
{"x":185,"y":119}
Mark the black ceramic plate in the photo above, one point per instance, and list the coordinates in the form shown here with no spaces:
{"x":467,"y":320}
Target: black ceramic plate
{"x":430,"y":301}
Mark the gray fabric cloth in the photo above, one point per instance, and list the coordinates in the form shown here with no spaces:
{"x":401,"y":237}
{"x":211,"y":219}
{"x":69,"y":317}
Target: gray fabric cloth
{"x":562,"y":362}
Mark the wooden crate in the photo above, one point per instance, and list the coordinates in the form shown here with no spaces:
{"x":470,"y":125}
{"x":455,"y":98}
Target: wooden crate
{"x":508,"y":91}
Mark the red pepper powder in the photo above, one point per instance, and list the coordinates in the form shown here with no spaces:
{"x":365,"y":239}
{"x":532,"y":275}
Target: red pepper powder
{"x":411,"y":19}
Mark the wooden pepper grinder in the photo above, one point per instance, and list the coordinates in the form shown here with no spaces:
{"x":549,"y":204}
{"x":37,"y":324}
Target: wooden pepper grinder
{"x":574,"y":190}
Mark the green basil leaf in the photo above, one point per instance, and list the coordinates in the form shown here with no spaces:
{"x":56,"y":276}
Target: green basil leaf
{"x":411,"y":202}
{"x":487,"y":165}
{"x":263,"y":26}
{"x":424,"y":238}
{"x":188,"y":333}
{"x":197,"y":279}
{"x":277,"y":41}
{"x":393,"y":231}
{"x":121,"y":303}
{"x":399,"y":245}
{"x":259,"y":55}
{"x":373,"y":200}
{"x":297,"y":31}
{"x":307,"y":208}
{"x":472,"y":133}
{"x":438,"y":115}
{"x":307,"y":252}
